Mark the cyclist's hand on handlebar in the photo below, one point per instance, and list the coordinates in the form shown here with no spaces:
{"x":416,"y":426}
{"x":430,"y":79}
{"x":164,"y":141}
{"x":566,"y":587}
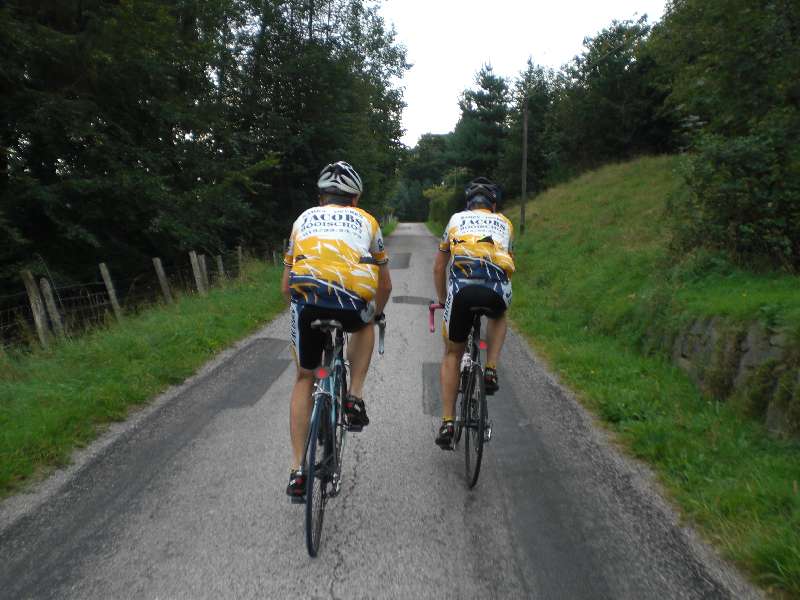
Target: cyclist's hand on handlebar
{"x":368,"y":312}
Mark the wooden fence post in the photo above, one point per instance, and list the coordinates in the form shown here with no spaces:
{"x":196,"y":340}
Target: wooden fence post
{"x":112,"y":294}
{"x":240,"y":256}
{"x":52,"y":309}
{"x":220,"y":268}
{"x":204,"y":270}
{"x":37,"y":307}
{"x":162,"y":280}
{"x":198,"y":275}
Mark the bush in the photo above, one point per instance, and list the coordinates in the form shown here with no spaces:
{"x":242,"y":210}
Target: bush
{"x":443,"y":201}
{"x":744,"y":196}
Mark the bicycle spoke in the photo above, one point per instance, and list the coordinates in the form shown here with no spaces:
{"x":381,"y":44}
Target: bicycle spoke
{"x":475,"y":422}
{"x":317,"y":480}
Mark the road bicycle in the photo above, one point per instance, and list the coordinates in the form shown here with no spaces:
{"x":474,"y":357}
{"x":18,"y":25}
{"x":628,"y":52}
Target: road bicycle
{"x":472,"y":415}
{"x":324,"y":448}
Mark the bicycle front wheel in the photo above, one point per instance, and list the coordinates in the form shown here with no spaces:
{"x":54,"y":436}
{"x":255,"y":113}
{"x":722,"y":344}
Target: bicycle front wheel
{"x":318,"y":464}
{"x":474,"y":425}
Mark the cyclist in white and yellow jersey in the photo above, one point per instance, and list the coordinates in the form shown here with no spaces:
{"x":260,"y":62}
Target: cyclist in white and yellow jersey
{"x":472,"y":268}
{"x":335,"y":268}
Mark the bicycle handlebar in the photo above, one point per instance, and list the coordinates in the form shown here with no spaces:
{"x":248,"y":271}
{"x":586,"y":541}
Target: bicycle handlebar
{"x":381,"y":322}
{"x":432,"y":308}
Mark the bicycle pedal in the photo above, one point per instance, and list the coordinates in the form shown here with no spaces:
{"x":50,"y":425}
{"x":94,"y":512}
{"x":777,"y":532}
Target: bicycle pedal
{"x":297,"y":500}
{"x":487,"y":433}
{"x":355,"y":428}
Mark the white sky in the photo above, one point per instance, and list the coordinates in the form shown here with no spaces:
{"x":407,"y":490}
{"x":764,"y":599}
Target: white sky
{"x":449,"y":40}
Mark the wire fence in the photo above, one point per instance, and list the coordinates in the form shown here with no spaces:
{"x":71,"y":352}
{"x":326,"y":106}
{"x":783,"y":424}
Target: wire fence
{"x":30,"y":318}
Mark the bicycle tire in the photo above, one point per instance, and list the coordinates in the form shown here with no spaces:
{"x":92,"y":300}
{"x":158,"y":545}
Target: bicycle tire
{"x":340,"y":430}
{"x":317,"y":478}
{"x":463,"y":390}
{"x":475,"y":424}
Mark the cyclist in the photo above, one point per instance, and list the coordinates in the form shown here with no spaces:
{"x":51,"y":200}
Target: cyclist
{"x":472,"y":268}
{"x":336,"y":267}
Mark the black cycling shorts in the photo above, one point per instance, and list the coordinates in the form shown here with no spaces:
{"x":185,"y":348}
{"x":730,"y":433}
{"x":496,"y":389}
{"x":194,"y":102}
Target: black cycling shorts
{"x":459,"y":316}
{"x":308,"y":344}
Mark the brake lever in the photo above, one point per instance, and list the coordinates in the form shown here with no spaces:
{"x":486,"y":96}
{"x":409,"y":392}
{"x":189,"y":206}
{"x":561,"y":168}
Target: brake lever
{"x":381,"y":322}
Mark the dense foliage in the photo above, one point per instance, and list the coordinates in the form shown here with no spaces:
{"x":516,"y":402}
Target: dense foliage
{"x":734,"y":69}
{"x":131,"y":129}
{"x":604,"y":105}
{"x":718,"y":80}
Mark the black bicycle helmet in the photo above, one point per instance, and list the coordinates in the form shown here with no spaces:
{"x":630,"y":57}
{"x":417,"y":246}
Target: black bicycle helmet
{"x":480,"y":191}
{"x":340,"y":178}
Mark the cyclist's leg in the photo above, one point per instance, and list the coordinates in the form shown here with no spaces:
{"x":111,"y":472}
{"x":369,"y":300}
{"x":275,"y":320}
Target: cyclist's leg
{"x":449,"y":376}
{"x":456,"y":323}
{"x":300,"y":414}
{"x":359,"y":353}
{"x":496,"y":336}
{"x":307,"y":346}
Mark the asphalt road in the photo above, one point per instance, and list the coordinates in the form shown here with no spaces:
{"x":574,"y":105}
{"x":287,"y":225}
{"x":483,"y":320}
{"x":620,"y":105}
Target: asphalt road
{"x":187,"y":500}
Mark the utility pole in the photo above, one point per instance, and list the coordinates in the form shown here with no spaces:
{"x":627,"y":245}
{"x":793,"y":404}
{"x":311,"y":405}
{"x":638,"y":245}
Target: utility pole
{"x":524,"y":164}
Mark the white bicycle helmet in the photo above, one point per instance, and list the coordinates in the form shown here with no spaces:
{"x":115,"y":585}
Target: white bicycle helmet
{"x":340,"y":178}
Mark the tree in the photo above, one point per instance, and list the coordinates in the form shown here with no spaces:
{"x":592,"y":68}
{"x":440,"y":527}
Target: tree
{"x":733,"y":69}
{"x":535,"y":83}
{"x":482,"y":128}
{"x":606,"y":104}
{"x":130,"y":129}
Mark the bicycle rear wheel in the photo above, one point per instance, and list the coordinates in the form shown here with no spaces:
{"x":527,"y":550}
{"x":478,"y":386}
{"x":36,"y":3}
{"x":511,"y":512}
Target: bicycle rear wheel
{"x":318,"y":476}
{"x":463,"y":392}
{"x":339,"y":433}
{"x":474,"y":424}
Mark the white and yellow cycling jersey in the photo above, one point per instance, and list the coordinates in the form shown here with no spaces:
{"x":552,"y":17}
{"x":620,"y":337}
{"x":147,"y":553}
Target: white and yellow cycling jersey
{"x":333,"y":253}
{"x":480,"y":246}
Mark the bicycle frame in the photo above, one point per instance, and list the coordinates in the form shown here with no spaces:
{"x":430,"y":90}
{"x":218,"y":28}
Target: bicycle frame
{"x":327,"y":430}
{"x":326,"y":391}
{"x":470,"y":374}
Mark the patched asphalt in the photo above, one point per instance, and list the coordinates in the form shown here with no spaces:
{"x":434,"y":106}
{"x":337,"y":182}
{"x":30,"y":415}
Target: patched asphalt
{"x":187,"y":499}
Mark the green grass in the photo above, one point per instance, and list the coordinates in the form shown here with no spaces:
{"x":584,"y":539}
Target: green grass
{"x":52,"y":402}
{"x":435,"y":228}
{"x":389,"y":225}
{"x":594,"y":278}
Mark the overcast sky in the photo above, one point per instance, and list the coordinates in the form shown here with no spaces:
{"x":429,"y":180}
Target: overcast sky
{"x":449,"y":40}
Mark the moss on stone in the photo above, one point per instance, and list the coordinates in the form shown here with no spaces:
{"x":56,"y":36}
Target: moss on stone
{"x":718,"y":377}
{"x":753,"y":398}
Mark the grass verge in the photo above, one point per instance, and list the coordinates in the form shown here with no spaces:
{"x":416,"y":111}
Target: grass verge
{"x":594,"y":274}
{"x":435,"y":228}
{"x":52,"y":402}
{"x":389,"y":225}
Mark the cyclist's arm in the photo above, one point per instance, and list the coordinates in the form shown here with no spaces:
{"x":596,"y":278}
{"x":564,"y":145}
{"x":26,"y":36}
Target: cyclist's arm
{"x":442,"y":261}
{"x":285,"y":283}
{"x":288,"y":261}
{"x":384,"y":288}
{"x":440,"y":274}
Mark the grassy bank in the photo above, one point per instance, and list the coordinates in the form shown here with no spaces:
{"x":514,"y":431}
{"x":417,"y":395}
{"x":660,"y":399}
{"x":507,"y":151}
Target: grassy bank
{"x":594,"y":275}
{"x":435,"y":228}
{"x":389,"y":225}
{"x":52,"y":402}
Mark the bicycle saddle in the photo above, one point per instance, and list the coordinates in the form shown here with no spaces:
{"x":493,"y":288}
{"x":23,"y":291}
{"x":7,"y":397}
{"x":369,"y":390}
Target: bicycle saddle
{"x":326,"y":325}
{"x":482,"y":310}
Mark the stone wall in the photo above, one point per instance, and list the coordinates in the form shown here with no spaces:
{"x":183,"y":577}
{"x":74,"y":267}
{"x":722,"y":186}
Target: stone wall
{"x":757,"y":367}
